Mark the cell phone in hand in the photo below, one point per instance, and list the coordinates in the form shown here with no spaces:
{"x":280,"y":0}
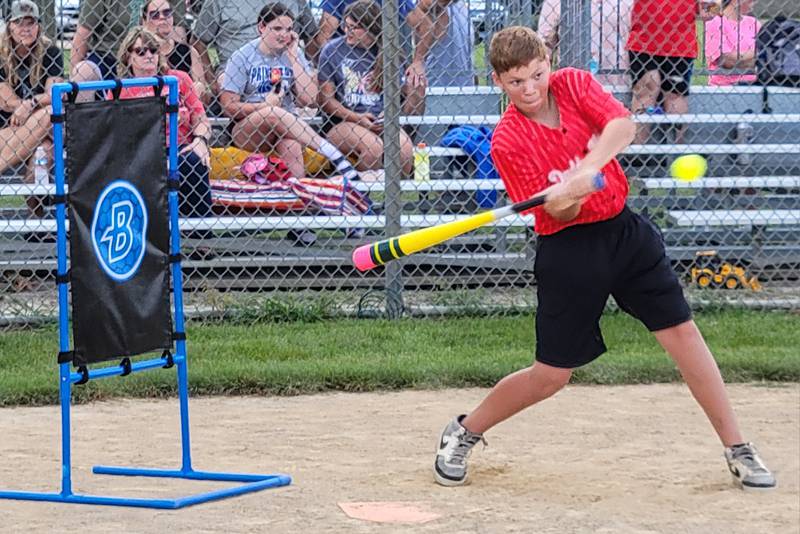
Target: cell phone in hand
{"x":276,"y":78}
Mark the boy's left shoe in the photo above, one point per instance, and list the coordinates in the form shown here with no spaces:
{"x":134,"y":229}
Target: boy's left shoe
{"x":747,"y":468}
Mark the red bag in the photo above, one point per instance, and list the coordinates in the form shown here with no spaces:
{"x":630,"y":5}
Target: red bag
{"x":263,"y":170}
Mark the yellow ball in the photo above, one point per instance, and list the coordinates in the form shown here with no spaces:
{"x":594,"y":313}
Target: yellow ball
{"x":689,"y":167}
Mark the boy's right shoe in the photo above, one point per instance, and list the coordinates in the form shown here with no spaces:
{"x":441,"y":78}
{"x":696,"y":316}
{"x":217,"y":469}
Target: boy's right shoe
{"x":747,"y":468}
{"x":455,"y":445}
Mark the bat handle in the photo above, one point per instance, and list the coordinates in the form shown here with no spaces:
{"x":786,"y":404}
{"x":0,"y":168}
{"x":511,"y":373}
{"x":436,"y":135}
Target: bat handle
{"x":599,"y":181}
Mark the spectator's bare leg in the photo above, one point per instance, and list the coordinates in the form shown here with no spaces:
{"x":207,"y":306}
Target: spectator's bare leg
{"x":675,"y":103}
{"x":281,"y":124}
{"x":35,"y":204}
{"x":18,"y":144}
{"x":645,"y":95}
{"x":406,"y":153}
{"x":367,"y":146}
{"x":291,"y":152}
{"x":85,"y":71}
{"x":356,"y":141}
{"x":264,"y":138}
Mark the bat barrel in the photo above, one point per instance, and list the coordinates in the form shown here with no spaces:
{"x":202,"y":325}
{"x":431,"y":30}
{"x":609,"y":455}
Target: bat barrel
{"x":369,"y":256}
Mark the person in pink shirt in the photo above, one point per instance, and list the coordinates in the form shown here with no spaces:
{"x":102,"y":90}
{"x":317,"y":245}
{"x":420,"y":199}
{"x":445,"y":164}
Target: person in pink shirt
{"x":731,"y":42}
{"x":140,"y":56}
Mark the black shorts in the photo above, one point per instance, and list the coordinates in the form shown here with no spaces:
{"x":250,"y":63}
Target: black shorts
{"x":675,"y":72}
{"x":579,"y":267}
{"x":328,"y":122}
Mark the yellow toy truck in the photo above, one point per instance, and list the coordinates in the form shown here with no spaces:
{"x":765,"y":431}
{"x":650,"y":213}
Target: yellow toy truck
{"x":710,"y":271}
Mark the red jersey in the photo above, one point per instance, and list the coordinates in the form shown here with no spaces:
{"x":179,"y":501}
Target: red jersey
{"x":531,"y":156}
{"x":663,"y":28}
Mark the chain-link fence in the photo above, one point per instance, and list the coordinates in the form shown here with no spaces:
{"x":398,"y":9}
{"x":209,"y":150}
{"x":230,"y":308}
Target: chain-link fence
{"x":308,"y":129}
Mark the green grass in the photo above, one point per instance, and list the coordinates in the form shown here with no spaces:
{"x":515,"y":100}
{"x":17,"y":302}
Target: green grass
{"x":361,"y":355}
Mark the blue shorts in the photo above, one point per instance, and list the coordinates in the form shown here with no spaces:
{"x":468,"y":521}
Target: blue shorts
{"x":578,"y":268}
{"x":106,"y":63}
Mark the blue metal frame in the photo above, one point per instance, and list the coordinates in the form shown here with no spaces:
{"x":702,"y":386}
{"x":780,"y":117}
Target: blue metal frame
{"x":249,"y":483}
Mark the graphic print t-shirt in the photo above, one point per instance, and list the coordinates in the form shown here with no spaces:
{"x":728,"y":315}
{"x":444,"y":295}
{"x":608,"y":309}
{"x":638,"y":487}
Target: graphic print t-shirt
{"x":350,"y":70}
{"x":250,"y":74}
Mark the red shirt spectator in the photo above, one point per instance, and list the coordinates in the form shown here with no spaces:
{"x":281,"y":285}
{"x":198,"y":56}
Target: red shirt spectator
{"x":189,"y":104}
{"x":663,"y":28}
{"x":531,"y":156}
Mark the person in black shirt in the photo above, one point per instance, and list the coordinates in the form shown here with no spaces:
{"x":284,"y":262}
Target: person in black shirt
{"x":29,"y":66}
{"x":157,"y":16}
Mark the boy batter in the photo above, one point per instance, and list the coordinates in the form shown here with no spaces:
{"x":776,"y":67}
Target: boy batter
{"x":559,"y":127}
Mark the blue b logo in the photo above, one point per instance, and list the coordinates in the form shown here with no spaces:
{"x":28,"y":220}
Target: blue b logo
{"x":119,"y":229}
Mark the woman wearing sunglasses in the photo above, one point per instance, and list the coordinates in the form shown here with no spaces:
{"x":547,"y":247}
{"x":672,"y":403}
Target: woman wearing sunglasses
{"x":158,"y":17}
{"x":140,"y":56}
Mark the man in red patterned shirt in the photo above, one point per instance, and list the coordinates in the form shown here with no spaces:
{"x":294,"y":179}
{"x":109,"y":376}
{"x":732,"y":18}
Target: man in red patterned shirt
{"x":559,"y":128}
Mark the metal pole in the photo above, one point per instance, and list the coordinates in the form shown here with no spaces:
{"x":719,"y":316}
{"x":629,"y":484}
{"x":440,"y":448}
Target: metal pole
{"x":575,"y":34}
{"x":64,"y":385}
{"x":393,"y":206}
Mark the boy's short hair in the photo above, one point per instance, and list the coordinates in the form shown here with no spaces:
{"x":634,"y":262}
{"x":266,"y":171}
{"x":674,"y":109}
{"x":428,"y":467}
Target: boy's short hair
{"x":514,"y":47}
{"x":272,"y":11}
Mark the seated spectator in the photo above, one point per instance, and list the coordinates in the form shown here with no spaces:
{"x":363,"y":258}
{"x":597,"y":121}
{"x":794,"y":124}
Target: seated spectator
{"x":662,"y":46}
{"x":417,"y":17}
{"x":158,"y":17}
{"x":140,"y":56}
{"x":611,"y":23}
{"x":227,"y":25}
{"x":731,"y":42}
{"x":449,"y":61}
{"x":350,"y":76}
{"x":102,"y":24}
{"x":263,"y":82}
{"x":29,"y":66}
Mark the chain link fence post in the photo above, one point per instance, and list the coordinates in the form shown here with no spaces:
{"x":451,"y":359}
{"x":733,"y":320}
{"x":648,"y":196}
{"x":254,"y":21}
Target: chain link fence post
{"x":393,"y":205}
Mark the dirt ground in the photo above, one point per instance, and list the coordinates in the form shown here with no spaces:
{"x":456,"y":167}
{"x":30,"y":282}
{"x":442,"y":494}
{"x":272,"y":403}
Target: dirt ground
{"x":633,"y":460}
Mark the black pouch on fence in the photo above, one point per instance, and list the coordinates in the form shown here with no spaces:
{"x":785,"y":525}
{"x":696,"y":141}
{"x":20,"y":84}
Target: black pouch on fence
{"x":778,"y":53}
{"x":119,"y":228}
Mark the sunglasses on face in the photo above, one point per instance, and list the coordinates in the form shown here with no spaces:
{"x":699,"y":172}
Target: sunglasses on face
{"x":141,"y":51}
{"x":163,"y":14}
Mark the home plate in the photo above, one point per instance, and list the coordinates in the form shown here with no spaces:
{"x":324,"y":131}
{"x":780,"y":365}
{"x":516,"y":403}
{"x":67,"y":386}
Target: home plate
{"x":389,"y":512}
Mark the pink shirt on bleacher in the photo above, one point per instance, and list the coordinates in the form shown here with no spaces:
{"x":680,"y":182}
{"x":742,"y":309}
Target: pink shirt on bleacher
{"x":727,"y":36}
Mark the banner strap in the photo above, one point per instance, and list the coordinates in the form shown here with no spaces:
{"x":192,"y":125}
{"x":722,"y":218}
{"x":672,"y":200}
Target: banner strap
{"x":175,"y":258}
{"x":171,"y":108}
{"x":65,"y":357}
{"x":170,"y":362}
{"x":174,"y":180}
{"x":63,"y":278}
{"x":126,"y":366}
{"x":56,"y":119}
{"x":60,"y":199}
{"x":84,"y":371}
{"x":179,"y":336}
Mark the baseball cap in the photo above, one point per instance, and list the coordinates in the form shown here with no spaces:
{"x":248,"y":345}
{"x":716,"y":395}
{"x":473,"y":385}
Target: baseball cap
{"x":23,"y":8}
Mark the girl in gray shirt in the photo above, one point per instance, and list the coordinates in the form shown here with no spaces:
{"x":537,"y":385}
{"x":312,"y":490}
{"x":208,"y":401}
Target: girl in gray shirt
{"x":264,"y":81}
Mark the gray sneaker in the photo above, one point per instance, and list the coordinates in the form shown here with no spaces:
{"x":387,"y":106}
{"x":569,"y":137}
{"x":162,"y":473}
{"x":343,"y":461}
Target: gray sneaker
{"x":455,"y":445}
{"x":747,"y":468}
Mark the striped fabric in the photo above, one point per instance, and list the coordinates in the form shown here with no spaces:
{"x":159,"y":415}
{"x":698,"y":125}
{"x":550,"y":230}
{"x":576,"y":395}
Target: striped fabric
{"x":291,"y":194}
{"x":530,"y":156}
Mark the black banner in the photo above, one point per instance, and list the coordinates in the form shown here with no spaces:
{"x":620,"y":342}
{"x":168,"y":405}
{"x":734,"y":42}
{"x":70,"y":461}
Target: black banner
{"x":119,"y":231}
